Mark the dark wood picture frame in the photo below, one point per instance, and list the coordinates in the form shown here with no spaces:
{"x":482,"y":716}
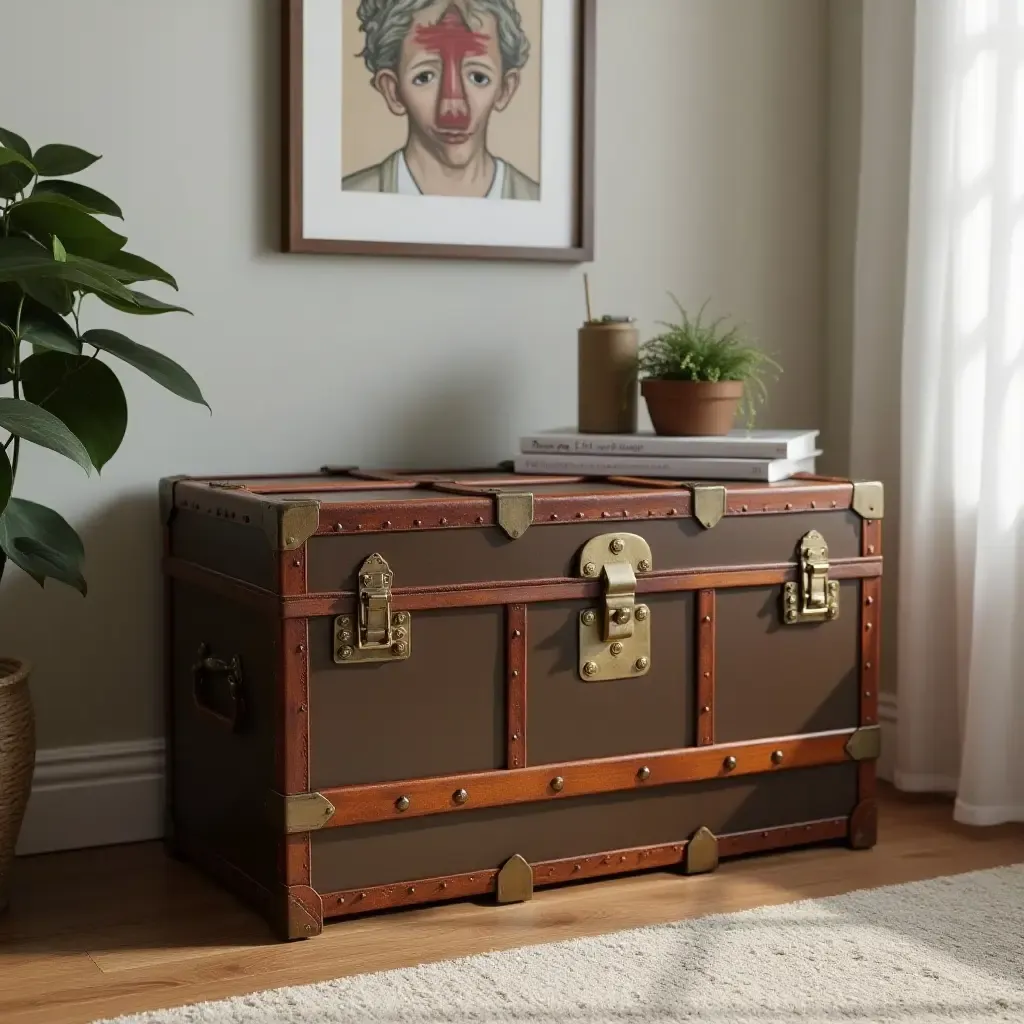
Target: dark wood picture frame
{"x":294,"y":241}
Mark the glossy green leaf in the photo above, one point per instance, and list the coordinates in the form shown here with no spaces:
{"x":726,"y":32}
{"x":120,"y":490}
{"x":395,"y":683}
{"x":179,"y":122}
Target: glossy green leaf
{"x":15,"y":142}
{"x":80,"y":232}
{"x":42,"y":543}
{"x":56,"y":296}
{"x":31,"y":423}
{"x":142,"y":305}
{"x":12,"y":156}
{"x":6,"y":358}
{"x":154,"y":364}
{"x":60,"y":254}
{"x":43,"y":328}
{"x":85,"y":394}
{"x":88,"y":198}
{"x":25,"y":262}
{"x":138,"y":269}
{"x":57,"y":160}
{"x":6,"y":480}
{"x":14,"y":178}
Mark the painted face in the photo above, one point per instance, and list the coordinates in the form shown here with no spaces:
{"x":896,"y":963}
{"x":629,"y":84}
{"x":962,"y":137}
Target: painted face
{"x":449,"y":80}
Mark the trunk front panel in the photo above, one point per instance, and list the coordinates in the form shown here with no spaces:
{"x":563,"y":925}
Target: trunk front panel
{"x":382,"y":854}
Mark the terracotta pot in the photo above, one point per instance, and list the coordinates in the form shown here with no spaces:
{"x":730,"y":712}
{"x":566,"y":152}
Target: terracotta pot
{"x":686,"y":408}
{"x":17,"y":762}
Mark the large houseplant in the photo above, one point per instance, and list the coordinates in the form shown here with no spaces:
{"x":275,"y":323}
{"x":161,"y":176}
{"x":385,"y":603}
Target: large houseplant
{"x":57,"y":259}
{"x":696,"y":376}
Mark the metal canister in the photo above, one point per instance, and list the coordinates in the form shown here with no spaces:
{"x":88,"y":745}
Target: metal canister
{"x":606,"y":376}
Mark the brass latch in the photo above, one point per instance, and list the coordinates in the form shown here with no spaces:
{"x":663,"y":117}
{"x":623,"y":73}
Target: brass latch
{"x":615,"y":639}
{"x":814,"y":598}
{"x":375,"y":633}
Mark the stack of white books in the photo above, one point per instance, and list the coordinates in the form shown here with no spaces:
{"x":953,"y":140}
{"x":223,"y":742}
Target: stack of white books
{"x":767,"y":456}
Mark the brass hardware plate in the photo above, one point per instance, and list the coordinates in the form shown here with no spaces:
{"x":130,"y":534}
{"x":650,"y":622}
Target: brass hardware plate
{"x":814,"y":598}
{"x":515,"y":881}
{"x":515,"y":512}
{"x":615,"y":639}
{"x":701,"y":852}
{"x":290,"y":525}
{"x":375,"y":632}
{"x":709,"y":504}
{"x":302,"y":812}
{"x":869,"y":499}
{"x":865,"y":744}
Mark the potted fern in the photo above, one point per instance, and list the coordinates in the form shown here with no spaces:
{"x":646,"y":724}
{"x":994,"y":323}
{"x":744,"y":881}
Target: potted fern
{"x":58,"y":262}
{"x":696,"y":376}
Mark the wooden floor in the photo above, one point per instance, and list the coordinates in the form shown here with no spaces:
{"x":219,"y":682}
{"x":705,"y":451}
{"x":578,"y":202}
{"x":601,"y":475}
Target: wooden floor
{"x":100,"y":933}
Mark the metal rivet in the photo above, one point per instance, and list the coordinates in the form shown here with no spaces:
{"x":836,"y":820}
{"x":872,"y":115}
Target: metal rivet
{"x":644,"y":565}
{"x":672,"y":511}
{"x":558,"y":783}
{"x":744,"y":508}
{"x":707,"y":618}
{"x":346,"y":652}
{"x":339,"y":527}
{"x":589,"y":617}
{"x":443,"y":521}
{"x":517,"y":632}
{"x":460,"y":796}
{"x":616,"y":648}
{"x":399,"y":633}
{"x":869,"y":600}
{"x":867,"y":664}
{"x":387,"y":524}
{"x":617,"y":546}
{"x":399,"y":648}
{"x":777,"y":756}
{"x":515,"y":737}
{"x":444,"y":885}
{"x":580,"y":515}
{"x":789,"y":506}
{"x":814,"y":504}
{"x":867,"y":693}
{"x":590,"y":668}
{"x":641,"y":612}
{"x":604,"y":515}
{"x":729,"y":763}
{"x":871,"y":549}
{"x":644,"y":773}
{"x":515,"y":673}
{"x":554,"y":515}
{"x":401,"y":617}
{"x":402,"y":803}
{"x":589,"y":569}
{"x":640,"y":664}
{"x":706,"y":710}
{"x":300,"y":649}
{"x":622,"y":616}
{"x":297,"y":562}
{"x":867,"y":626}
{"x":417,"y":522}
{"x":707,"y":675}
{"x":302,"y":707}
{"x":411,"y":889}
{"x":835,"y":504}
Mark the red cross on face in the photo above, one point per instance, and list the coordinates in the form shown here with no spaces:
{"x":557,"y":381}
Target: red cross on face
{"x":453,"y":41}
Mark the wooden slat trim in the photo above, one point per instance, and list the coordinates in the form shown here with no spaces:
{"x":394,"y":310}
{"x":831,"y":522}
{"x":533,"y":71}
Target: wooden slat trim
{"x":556,"y":872}
{"x":468,"y":595}
{"x":358,"y":805}
{"x":706,"y":620}
{"x":462,"y":508}
{"x":516,"y":686}
{"x":292,"y":750}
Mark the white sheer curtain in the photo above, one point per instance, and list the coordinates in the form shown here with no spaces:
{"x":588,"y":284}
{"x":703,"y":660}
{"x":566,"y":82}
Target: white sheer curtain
{"x":961,"y":540}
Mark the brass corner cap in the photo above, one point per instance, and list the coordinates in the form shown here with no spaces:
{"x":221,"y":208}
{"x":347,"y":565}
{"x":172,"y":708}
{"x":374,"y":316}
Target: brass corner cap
{"x":289,"y":524}
{"x":515,"y":512}
{"x":868,"y":499}
{"x":515,"y":881}
{"x":301,"y":812}
{"x":709,"y":504}
{"x":702,"y":852}
{"x":865,"y":744}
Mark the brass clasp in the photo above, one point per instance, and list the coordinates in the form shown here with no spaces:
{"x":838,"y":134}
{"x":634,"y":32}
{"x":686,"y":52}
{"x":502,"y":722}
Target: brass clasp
{"x":615,"y":640}
{"x":375,"y":633}
{"x":814,"y":598}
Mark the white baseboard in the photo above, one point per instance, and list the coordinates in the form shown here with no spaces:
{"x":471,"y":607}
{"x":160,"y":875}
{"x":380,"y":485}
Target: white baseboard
{"x":887,"y":721}
{"x":114,"y":792}
{"x":95,"y":796}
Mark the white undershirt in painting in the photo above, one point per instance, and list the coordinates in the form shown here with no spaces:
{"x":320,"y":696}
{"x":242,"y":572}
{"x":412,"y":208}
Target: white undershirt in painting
{"x":408,"y":187}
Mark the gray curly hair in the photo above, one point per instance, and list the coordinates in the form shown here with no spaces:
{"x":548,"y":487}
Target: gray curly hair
{"x":385,"y":24}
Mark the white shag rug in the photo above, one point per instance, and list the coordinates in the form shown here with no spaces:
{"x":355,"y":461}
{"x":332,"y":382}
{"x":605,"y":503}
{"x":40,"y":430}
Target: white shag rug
{"x":949,"y":949}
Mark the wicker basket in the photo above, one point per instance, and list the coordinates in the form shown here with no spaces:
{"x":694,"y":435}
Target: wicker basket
{"x":17,"y":760}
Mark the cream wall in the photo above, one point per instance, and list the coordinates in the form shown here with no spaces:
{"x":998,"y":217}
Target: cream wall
{"x":710,"y":181}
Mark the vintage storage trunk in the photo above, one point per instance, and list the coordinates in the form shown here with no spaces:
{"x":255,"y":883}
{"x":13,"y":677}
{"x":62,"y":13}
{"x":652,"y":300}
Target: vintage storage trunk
{"x":390,"y":689}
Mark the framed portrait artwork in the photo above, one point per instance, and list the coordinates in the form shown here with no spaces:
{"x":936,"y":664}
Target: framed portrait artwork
{"x":454,"y":128}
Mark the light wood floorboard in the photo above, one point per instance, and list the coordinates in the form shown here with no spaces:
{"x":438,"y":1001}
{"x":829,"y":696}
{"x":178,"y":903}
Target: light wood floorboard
{"x":98,"y":933}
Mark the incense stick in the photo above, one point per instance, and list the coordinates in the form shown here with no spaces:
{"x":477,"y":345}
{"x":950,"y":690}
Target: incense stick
{"x":586,"y":291}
